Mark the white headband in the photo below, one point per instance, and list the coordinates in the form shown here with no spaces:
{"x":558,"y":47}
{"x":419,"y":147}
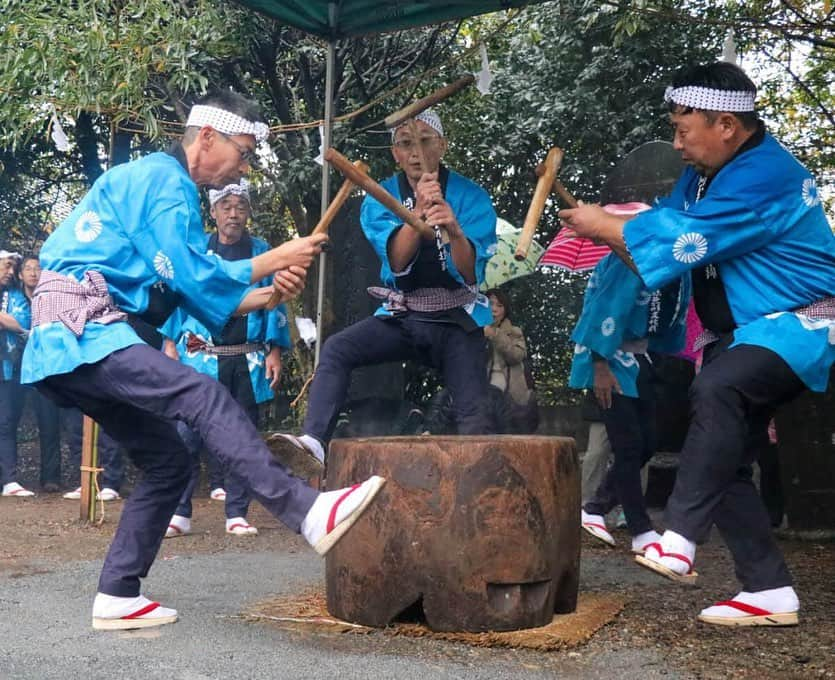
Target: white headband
{"x":226,"y":122}
{"x":429,"y":117}
{"x":6,"y":253}
{"x":710,"y":99}
{"x":241,"y":190}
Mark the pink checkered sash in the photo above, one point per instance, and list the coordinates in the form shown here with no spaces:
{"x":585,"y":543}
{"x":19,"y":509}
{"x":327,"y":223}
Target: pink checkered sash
{"x":423,"y":299}
{"x":61,"y":298}
{"x":821,"y":309}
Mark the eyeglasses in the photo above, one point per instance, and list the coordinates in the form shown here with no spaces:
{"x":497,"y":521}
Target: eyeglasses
{"x":247,"y":155}
{"x":409,"y":144}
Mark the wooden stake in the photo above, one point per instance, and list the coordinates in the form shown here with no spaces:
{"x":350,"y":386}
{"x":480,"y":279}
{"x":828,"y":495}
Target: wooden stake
{"x":88,"y":463}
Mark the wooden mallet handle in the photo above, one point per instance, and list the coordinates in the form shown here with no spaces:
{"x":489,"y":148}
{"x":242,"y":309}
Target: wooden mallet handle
{"x":559,"y":188}
{"x":543,"y":187}
{"x":325,"y":221}
{"x":395,"y":119}
{"x":365,"y":182}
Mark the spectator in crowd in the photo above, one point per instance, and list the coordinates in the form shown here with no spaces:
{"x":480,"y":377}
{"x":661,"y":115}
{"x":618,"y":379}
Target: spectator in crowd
{"x":15,"y":320}
{"x":508,"y":368}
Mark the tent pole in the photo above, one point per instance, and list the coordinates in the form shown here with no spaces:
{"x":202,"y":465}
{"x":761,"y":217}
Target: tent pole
{"x":326,"y":143}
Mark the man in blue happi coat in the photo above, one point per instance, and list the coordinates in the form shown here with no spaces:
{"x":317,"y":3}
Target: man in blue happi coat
{"x":135,"y":245}
{"x":621,"y":323}
{"x":432,"y":312}
{"x":745,"y":219}
{"x":245,"y":357}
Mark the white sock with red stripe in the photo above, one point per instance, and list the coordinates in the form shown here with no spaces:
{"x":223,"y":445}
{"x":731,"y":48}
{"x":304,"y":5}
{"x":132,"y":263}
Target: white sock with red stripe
{"x":775,"y":601}
{"x":674,"y":551}
{"x":641,"y":541}
{"x":331,"y":508}
{"x":112,"y":607}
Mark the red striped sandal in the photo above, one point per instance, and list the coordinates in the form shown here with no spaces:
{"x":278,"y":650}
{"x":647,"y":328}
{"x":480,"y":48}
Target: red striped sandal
{"x":334,"y":512}
{"x":736,"y":613}
{"x":127,"y":613}
{"x":595,"y":526}
{"x":650,"y":562}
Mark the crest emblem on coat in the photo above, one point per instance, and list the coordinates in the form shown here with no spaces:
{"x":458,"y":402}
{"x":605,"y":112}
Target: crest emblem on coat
{"x":809,"y":192}
{"x":690,"y":248}
{"x":88,"y":227}
{"x":163,"y":265}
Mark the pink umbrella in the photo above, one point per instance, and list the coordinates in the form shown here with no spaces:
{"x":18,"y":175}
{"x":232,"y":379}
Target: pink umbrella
{"x":575,"y":254}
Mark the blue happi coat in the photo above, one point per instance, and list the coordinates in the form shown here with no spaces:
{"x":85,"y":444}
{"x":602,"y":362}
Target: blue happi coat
{"x":617,"y":308}
{"x":762,"y":224}
{"x":139,"y":225}
{"x":474,"y":211}
{"x":15,"y":303}
{"x":262,"y":326}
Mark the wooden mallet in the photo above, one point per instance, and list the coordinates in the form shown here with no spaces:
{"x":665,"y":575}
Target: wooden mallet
{"x":325,"y":221}
{"x":362,"y":180}
{"x":543,"y":187}
{"x":558,"y":188}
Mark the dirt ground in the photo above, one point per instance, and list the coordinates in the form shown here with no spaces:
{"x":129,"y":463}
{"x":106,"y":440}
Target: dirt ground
{"x":41,"y":533}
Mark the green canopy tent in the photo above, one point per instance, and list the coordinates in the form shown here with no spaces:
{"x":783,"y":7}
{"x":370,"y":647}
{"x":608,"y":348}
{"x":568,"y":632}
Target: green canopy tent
{"x":348,"y":18}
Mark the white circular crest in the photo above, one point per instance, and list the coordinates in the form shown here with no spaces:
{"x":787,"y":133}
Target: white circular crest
{"x":690,"y":248}
{"x":809,"y":192}
{"x":625,"y":359}
{"x":608,"y":326}
{"x":163,"y":265}
{"x":88,"y":227}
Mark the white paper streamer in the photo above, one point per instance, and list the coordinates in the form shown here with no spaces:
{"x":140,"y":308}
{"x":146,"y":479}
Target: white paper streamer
{"x":485,"y":78}
{"x":62,"y":143}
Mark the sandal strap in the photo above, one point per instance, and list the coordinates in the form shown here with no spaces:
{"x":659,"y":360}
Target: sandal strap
{"x":741,"y":606}
{"x":332,"y":517}
{"x":141,"y":612}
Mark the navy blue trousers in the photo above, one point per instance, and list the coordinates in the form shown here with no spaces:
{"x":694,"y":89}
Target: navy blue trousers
{"x":460,"y":356}
{"x":137,"y":394}
{"x":110,"y":455}
{"x":731,"y":401}
{"x":12,"y":398}
{"x":233,"y":374}
{"x":630,"y":426}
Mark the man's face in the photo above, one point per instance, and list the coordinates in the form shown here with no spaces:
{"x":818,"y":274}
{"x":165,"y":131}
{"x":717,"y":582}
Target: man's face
{"x":6,"y":271}
{"x":30,"y":272}
{"x":704,"y":145}
{"x":405,"y":149}
{"x":231,"y":214}
{"x":225,"y":161}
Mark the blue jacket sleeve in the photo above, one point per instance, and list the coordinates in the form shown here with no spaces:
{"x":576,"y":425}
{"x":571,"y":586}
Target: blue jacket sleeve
{"x":171,"y":241}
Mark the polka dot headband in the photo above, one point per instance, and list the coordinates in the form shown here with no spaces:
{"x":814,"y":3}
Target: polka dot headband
{"x":226,"y":122}
{"x":429,"y":117}
{"x":710,"y":99}
{"x":241,"y":190}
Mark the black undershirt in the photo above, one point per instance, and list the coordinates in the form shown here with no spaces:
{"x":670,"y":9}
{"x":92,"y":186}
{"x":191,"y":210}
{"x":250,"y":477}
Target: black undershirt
{"x":234,"y":332}
{"x":709,"y":295}
{"x":426,"y":271}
